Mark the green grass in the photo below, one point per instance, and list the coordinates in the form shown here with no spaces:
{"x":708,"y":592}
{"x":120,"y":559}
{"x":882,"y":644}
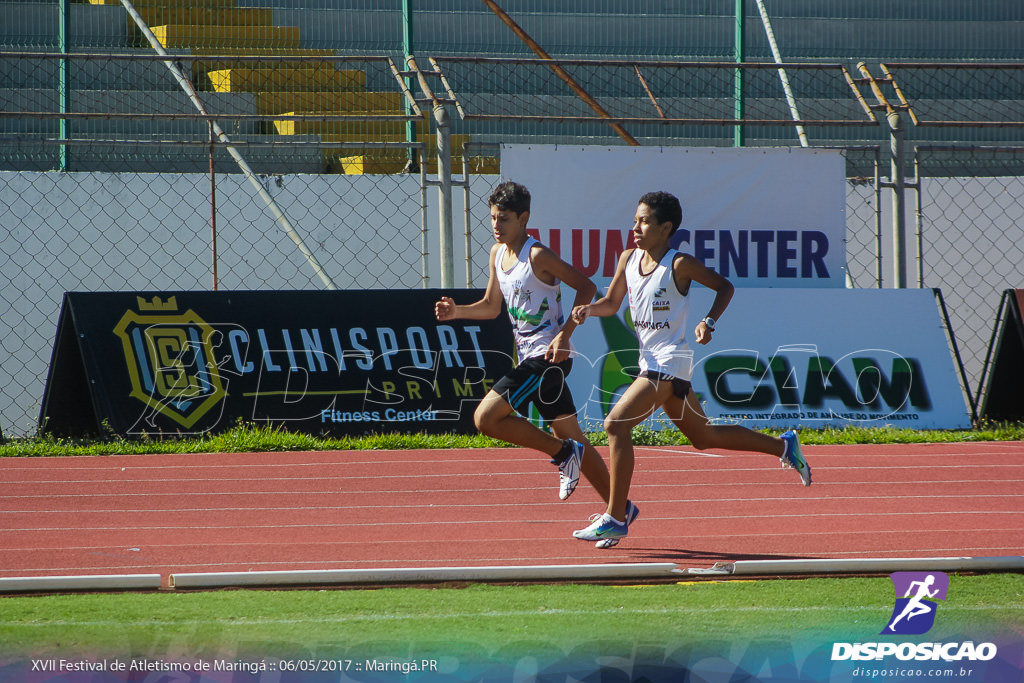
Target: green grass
{"x":255,"y":438}
{"x":485,"y":618}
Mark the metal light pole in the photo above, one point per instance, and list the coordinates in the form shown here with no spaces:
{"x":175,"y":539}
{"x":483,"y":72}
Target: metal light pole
{"x":740,"y":55}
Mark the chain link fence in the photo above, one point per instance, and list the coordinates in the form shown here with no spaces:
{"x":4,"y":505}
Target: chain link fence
{"x":120,"y":181}
{"x":970,"y":232}
{"x":113,"y":176}
{"x":863,"y":218}
{"x":656,"y":102}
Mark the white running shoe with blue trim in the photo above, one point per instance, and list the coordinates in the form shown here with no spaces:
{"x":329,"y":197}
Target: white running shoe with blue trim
{"x":793,"y":458}
{"x":632,"y":512}
{"x":569,"y":471}
{"x":603,"y":527}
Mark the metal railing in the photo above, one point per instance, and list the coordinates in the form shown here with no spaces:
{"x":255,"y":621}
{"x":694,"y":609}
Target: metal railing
{"x":137,"y":192}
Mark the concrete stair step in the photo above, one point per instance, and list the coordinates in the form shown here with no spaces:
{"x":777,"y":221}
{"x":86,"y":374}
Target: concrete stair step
{"x":281,"y":102}
{"x":457,"y":141}
{"x":188,"y":35}
{"x":344,"y":129}
{"x":206,"y":16}
{"x":149,"y":4}
{"x":395,"y":161}
{"x":303,"y":79}
{"x":355,"y":161}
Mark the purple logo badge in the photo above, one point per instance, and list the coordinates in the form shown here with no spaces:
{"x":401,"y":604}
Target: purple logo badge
{"x":916,"y":595}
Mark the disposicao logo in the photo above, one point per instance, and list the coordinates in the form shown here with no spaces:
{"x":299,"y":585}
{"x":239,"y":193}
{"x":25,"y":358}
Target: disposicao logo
{"x":913,"y":613}
{"x":916,"y":595}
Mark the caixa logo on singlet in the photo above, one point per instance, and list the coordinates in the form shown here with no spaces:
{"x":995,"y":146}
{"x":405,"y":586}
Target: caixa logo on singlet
{"x":917,"y":598}
{"x":170,"y":361}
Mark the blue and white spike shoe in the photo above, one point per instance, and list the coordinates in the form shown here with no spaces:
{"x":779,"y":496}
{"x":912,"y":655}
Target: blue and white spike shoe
{"x":793,"y":458}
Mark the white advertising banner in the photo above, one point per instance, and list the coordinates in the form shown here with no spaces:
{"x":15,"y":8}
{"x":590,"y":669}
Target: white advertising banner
{"x":808,"y":358}
{"x":762,"y":217}
{"x":795,"y":348}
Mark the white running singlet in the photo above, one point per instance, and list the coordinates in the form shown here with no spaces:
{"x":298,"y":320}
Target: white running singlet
{"x":659,"y":315}
{"x":534,"y":306}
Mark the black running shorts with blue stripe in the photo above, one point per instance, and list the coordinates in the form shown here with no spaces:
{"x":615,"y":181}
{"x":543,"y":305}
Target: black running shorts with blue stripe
{"x":680,"y":387}
{"x":541,"y":383}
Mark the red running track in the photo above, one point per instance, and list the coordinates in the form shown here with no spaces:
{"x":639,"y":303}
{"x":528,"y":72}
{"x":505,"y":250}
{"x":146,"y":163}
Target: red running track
{"x":387,"y":509}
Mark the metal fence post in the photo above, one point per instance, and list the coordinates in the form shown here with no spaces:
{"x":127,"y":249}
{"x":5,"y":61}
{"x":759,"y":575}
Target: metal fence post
{"x":63,"y":76}
{"x":413,"y":164}
{"x":444,"y":194}
{"x":467,"y":216}
{"x":213,"y":204}
{"x":740,"y":55}
{"x":878,"y":224}
{"x":424,"y":229}
{"x":918,"y":219}
{"x":444,"y":175}
{"x":897,"y":178}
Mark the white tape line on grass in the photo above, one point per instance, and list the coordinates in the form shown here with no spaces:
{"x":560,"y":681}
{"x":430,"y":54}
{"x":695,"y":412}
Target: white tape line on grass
{"x":430,"y":574}
{"x":101,"y":582}
{"x":884,"y":565}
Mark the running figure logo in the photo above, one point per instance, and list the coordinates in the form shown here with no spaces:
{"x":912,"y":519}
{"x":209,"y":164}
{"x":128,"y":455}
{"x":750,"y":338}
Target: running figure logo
{"x":914,"y":612}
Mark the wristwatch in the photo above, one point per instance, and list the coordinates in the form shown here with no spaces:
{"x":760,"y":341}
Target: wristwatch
{"x":709,"y":322}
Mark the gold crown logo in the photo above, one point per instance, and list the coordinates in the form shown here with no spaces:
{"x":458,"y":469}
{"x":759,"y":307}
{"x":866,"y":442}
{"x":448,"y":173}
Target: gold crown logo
{"x":157,"y":304}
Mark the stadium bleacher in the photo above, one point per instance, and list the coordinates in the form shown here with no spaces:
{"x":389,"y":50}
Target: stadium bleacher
{"x":842,"y":31}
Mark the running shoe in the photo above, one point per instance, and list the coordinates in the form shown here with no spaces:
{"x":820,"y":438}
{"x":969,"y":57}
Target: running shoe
{"x":792,"y":458}
{"x":632,"y":512}
{"x":603,"y":527}
{"x":569,"y":471}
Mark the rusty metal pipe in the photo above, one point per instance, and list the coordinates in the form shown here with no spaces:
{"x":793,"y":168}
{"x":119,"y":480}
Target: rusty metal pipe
{"x":559,"y":71}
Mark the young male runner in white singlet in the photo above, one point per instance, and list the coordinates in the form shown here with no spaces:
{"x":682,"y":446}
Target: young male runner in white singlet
{"x":658,"y":280}
{"x":526,"y":276}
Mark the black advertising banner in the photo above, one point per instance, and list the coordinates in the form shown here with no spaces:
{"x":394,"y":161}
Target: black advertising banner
{"x":332,"y":362}
{"x":1003,"y":375}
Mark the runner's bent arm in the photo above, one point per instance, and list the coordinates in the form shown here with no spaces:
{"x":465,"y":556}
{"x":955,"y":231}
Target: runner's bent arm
{"x":551,"y":268}
{"x":608,"y":304}
{"x":487,"y":307}
{"x":686,"y":270}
